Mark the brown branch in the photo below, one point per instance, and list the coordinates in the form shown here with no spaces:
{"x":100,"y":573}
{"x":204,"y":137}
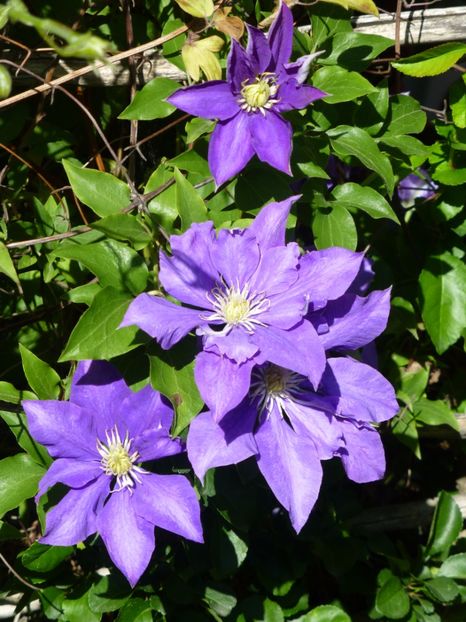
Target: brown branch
{"x":18,"y":576}
{"x":33,"y":168}
{"x":89,"y":68}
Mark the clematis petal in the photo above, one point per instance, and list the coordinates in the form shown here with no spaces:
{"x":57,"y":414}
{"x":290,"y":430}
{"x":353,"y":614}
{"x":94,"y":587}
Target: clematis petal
{"x":236,"y":255}
{"x":363,"y":393}
{"x":363,"y":456}
{"x":319,"y":425}
{"x":277,"y":270}
{"x":238,"y":67}
{"x":222,"y":383}
{"x":269,"y":226}
{"x":190,"y":273}
{"x":299,"y":69}
{"x":295,"y":96}
{"x":271,"y":138}
{"x":354,"y":321}
{"x":210,"y":100}
{"x":73,"y":519}
{"x":258,"y":50}
{"x":67,"y":430}
{"x":147,"y":416}
{"x":71,"y":472}
{"x":161,"y":319}
{"x":170,"y":502}
{"x":129,"y":538}
{"x":230,"y":148}
{"x":212,"y":444}
{"x":298,"y":349}
{"x":327,"y":274}
{"x":281,"y":35}
{"x":290,"y":464}
{"x":99,"y":388}
{"x":235,"y":345}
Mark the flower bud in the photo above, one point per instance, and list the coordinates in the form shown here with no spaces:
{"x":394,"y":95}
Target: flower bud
{"x":5,"y":82}
{"x":197,"y":8}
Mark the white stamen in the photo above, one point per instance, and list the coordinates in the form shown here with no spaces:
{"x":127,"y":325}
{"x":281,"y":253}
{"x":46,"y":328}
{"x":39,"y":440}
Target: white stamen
{"x":260,"y":94}
{"x":273,"y":386}
{"x":118,"y":460}
{"x":236,"y":306}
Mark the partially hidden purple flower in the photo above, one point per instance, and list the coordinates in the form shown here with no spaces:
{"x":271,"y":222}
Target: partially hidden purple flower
{"x":289,"y":427}
{"x":248,"y":294}
{"x":418,"y":185}
{"x":99,"y":440}
{"x":261,"y":84}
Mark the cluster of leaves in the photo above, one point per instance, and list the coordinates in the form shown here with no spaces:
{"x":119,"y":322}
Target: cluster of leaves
{"x":72,"y":260}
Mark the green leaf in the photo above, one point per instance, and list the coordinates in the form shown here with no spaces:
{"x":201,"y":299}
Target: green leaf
{"x":163,"y":205}
{"x":406,"y":144}
{"x":364,"y":198}
{"x":353,"y":141}
{"x":6,"y":264}
{"x":105,"y":194}
{"x":443,"y":299}
{"x":198,"y":127}
{"x":124,"y":227}
{"x":458,"y":102}
{"x":341,"y":85}
{"x":392,"y":600}
{"x":42,"y":558}
{"x":442,"y":589}
{"x":406,"y":116}
{"x":8,"y":393}
{"x":172,"y":373}
{"x":19,"y":479}
{"x":431,"y":62}
{"x":78,"y":610}
{"x":17,"y":423}
{"x":446,"y":525}
{"x":96,"y":335}
{"x":8,"y":532}
{"x":334,"y":226}
{"x":220,"y":599}
{"x":325,"y":613}
{"x":149,"y":103}
{"x":109,"y":594}
{"x":434,"y":412}
{"x":354,"y":50}
{"x":189,"y":204}
{"x":136,"y":610}
{"x":115,"y":264}
{"x":454,"y":567}
{"x":405,"y":429}
{"x":43,"y":379}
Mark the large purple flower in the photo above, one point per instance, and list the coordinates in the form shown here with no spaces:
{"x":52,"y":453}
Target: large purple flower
{"x":248,"y":294}
{"x":261,"y":84}
{"x":99,"y":440}
{"x":289,"y":427}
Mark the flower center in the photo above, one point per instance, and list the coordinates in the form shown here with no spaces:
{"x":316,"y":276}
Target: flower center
{"x":273,"y":385}
{"x":118,"y":461}
{"x":236,"y":306}
{"x":260,"y":94}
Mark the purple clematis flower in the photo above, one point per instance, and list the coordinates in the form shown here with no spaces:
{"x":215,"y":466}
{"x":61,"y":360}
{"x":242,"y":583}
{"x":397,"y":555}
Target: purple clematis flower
{"x":248,"y":294}
{"x":289,"y":427}
{"x":417,"y":185}
{"x":99,"y":440}
{"x":261,"y":84}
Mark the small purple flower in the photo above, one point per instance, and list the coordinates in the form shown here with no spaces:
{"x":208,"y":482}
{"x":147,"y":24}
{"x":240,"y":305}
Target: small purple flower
{"x":289,"y":427}
{"x":261,"y":84}
{"x":99,"y":440}
{"x":248,"y":294}
{"x":417,"y":185}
